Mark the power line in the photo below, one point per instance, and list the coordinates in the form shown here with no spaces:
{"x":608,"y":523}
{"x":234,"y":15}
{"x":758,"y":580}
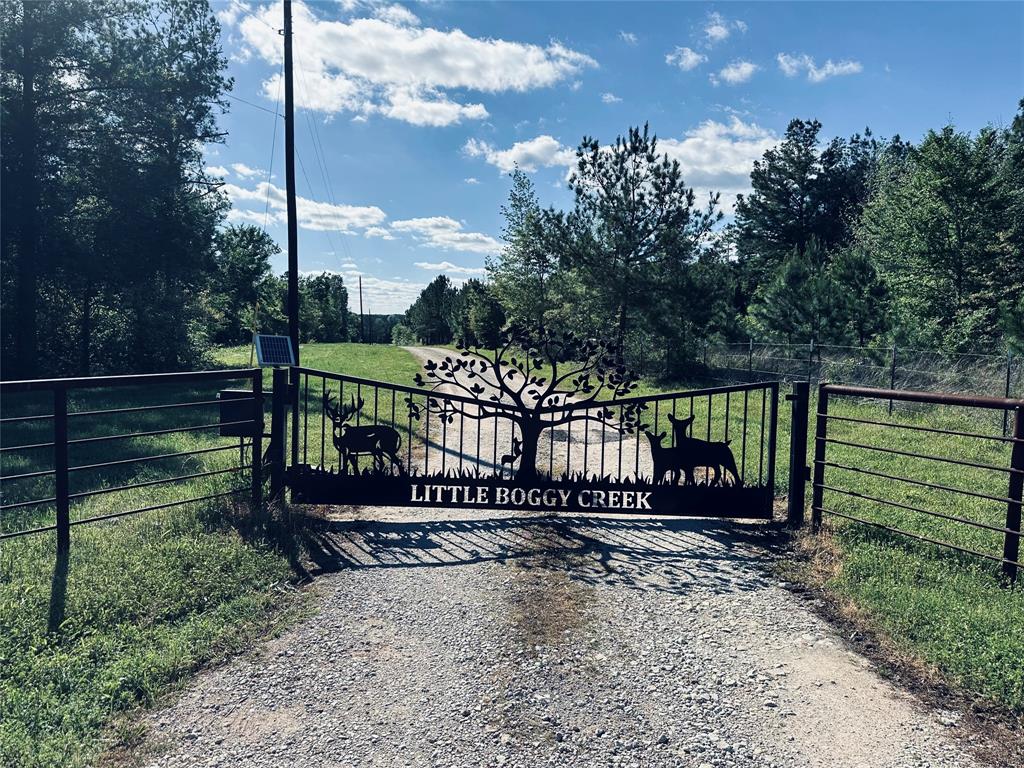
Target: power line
{"x":256,"y":106}
{"x":270,"y":165}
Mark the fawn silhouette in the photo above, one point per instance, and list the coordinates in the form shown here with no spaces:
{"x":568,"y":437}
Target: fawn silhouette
{"x":688,"y":453}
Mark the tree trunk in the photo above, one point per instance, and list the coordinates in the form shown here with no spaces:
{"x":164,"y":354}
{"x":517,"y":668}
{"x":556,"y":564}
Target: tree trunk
{"x":531,"y":430}
{"x":27,"y":271}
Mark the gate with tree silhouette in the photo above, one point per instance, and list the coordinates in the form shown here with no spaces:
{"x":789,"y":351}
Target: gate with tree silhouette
{"x":555,"y":425}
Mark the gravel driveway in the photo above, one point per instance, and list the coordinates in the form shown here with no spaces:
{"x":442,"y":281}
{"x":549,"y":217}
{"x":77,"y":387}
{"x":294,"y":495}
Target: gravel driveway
{"x":447,"y":638}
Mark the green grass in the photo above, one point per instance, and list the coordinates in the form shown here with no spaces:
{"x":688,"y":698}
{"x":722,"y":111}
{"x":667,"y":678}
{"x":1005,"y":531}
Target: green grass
{"x":373,"y":361}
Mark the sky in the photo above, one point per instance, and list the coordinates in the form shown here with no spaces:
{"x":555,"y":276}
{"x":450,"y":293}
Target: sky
{"x":410,"y":116}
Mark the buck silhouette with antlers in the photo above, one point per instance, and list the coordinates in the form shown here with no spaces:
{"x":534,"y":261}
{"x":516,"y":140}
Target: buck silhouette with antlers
{"x":380,"y":442}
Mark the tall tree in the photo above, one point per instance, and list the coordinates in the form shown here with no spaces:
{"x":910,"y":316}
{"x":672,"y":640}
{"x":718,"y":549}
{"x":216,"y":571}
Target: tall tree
{"x":939,"y":230}
{"x":242,"y":278}
{"x":431,"y":316}
{"x":521,"y":274}
{"x":803,"y":192}
{"x":633,"y":219}
{"x":109,"y":105}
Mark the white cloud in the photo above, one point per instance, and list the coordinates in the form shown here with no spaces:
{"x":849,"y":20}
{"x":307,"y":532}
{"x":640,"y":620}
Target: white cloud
{"x":397,"y":14}
{"x":246,"y":172}
{"x":390,"y":66}
{"x":610,"y":98}
{"x":447,"y":266}
{"x":381,"y":296}
{"x":229,"y":13}
{"x":685,"y":58}
{"x":540,"y":152}
{"x":735,"y":72}
{"x":471,"y":180}
{"x":718,"y":157}
{"x":793,"y":65}
{"x":718,"y":28}
{"x":311,"y":214}
{"x":429,"y":107}
{"x":380,"y":232}
{"x":446,"y":233}
{"x":628,"y":38}
{"x":216,"y":170}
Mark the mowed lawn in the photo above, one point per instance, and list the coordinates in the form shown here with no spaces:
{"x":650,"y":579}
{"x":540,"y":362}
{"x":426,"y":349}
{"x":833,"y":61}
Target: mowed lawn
{"x":150,"y":598}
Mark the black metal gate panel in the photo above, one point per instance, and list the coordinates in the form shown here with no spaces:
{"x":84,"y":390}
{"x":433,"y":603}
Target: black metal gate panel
{"x":458,"y":440}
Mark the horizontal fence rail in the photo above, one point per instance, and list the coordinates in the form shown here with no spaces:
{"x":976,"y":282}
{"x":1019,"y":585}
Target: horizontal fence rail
{"x":979,"y":508}
{"x":85,"y":450}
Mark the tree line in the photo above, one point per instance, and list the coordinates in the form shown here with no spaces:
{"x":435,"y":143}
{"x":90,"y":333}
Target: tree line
{"x":113,"y":252}
{"x":849,"y":241}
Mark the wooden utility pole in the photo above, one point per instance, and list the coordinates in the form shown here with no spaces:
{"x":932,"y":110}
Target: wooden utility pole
{"x":289,"y":170}
{"x":362,"y":323}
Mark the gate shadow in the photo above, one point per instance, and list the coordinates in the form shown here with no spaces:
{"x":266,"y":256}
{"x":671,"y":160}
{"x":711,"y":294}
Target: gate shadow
{"x":672,"y":555}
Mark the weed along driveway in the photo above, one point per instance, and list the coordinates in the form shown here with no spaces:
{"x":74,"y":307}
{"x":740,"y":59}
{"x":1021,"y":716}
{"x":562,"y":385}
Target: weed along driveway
{"x":454,"y":636}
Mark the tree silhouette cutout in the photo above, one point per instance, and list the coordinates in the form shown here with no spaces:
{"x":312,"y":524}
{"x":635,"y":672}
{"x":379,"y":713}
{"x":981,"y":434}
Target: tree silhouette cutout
{"x":537,"y":382}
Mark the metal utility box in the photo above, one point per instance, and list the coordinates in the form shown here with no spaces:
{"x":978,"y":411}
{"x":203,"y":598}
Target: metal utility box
{"x":238,"y":405}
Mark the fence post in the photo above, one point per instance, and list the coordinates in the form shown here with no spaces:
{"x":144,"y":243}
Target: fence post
{"x":1011,"y":541}
{"x":892,"y":374}
{"x":820,"y":430}
{"x":278,"y":415}
{"x":257,"y":446}
{"x":750,"y":361}
{"x":1006,"y":389}
{"x":810,"y":360}
{"x":798,"y":454}
{"x":60,"y":466}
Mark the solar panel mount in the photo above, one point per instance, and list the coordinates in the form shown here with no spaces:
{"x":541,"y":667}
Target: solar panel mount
{"x":273,"y":350}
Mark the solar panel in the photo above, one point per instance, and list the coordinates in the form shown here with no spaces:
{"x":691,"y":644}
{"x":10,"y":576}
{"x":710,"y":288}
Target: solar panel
{"x":274,"y":350}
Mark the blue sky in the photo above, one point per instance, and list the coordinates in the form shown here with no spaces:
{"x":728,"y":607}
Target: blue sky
{"x":409,"y":116}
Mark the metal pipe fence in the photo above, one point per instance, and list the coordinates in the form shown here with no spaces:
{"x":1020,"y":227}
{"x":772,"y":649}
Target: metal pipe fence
{"x":86,"y":450}
{"x":862,"y":487}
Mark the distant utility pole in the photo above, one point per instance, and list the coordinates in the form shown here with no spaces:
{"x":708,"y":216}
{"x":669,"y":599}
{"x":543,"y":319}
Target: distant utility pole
{"x":362,"y":323}
{"x":289,"y":172}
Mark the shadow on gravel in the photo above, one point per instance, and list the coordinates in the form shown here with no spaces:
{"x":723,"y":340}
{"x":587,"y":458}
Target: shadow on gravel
{"x":641,"y":553}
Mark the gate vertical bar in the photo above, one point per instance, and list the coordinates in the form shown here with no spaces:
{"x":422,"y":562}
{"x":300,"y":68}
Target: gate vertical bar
{"x":820,"y":428}
{"x":1011,"y":541}
{"x":798,"y":454}
{"x":293,"y":394}
{"x":60,"y":466}
{"x":278,"y":415}
{"x":257,"y":446}
{"x":773,"y":432}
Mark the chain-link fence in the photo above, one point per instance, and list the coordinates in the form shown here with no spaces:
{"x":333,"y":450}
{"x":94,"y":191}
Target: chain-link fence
{"x":891,"y":367}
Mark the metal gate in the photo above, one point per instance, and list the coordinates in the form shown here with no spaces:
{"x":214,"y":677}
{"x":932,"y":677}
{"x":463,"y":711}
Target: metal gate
{"x":475,"y":433}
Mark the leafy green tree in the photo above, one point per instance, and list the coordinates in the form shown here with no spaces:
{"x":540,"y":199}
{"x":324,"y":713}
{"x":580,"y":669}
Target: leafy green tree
{"x":106,"y":108}
{"x":478,"y":316}
{"x":323,"y":313}
{"x":940,"y":231}
{"x":242,"y":278}
{"x":864,"y":296}
{"x":431,"y":316}
{"x":801,"y":303}
{"x":522,"y":273}
{"x":803,"y":193}
{"x":634,"y":221}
